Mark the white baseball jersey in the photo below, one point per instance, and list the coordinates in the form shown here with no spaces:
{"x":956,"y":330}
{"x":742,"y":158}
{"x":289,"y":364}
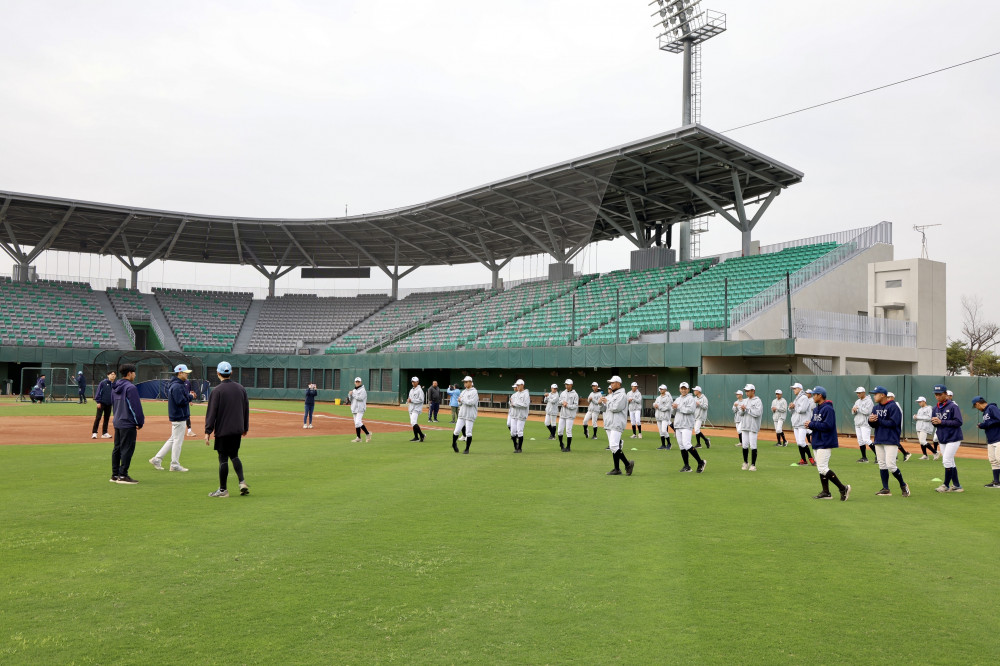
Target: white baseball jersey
{"x":551,"y":400}
{"x":416,"y":399}
{"x":780,"y":407}
{"x":752,"y":415}
{"x":802,"y":408}
{"x":468,"y":404}
{"x":634,"y":400}
{"x":663,"y":406}
{"x":684,"y":412}
{"x":359,"y":400}
{"x":520,"y":401}
{"x":572,"y":400}
{"x":594,"y":401}
{"x":864,"y":407}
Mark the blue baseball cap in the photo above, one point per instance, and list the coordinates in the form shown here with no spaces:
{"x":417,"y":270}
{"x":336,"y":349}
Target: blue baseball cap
{"x":820,"y":390}
{"x":940,"y":388}
{"x":880,"y":389}
{"x":224,"y":368}
{"x":181,"y":368}
{"x":977,"y":399}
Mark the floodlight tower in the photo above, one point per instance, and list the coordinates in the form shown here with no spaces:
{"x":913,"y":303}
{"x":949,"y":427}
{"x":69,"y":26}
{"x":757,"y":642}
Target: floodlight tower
{"x":683,"y":25}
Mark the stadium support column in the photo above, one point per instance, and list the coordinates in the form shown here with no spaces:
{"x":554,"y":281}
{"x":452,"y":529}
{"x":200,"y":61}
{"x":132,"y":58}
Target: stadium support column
{"x":132,"y":266}
{"x":686,"y":87}
{"x":685,"y":240}
{"x":495,"y":269}
{"x":272,"y":276}
{"x":23,"y":259}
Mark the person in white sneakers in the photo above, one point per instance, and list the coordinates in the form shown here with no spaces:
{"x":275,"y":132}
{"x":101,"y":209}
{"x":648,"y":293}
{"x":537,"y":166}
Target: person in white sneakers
{"x":593,"y":409}
{"x":663,"y":410}
{"x":685,"y":407}
{"x":358,"y":397}
{"x":551,"y":401}
{"x":779,"y":410}
{"x":468,"y":410}
{"x":925,"y":427}
{"x":802,"y":409}
{"x":634,"y":398}
{"x":862,"y":409}
{"x":520,"y":403}
{"x":569,"y":405}
{"x":616,"y":404}
{"x":753,"y":409}
{"x":178,"y":411}
{"x":310,"y":407}
{"x":700,"y":416}
{"x":738,"y":416}
{"x":415,"y":405}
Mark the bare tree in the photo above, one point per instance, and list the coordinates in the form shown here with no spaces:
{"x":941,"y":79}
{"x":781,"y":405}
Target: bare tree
{"x":981,"y":336}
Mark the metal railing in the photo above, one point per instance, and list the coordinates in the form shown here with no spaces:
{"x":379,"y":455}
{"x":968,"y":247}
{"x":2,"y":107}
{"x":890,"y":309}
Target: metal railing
{"x":881,"y":233}
{"x":840,"y":327}
{"x":129,"y":330}
{"x":867,"y":238}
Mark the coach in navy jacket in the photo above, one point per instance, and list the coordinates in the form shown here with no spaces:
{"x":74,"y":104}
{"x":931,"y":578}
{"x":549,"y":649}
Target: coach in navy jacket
{"x":128,"y":420}
{"x":991,"y":426}
{"x":948,"y":420}
{"x":104,"y":399}
{"x":824,"y":440}
{"x":178,"y":400}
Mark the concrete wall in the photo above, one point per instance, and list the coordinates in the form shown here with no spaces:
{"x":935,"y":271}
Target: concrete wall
{"x":921,"y":296}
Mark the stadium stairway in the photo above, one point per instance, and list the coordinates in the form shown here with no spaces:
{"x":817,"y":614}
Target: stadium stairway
{"x":170,"y":344}
{"x":122,"y":341}
{"x":249,"y":324}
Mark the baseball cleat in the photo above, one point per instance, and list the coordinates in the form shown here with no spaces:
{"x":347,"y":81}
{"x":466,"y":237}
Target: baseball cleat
{"x":661,"y":447}
{"x":862,"y":460}
{"x":957,"y":489}
{"x":356,"y":439}
{"x":745,"y":467}
{"x":156,"y":463}
{"x":942,"y":488}
{"x":845,"y":493}
{"x":992,"y":484}
{"x":907,"y":456}
{"x":923,"y":457}
{"x":614,"y":472}
{"x":906,"y":490}
{"x":127,"y":480}
{"x":753,"y":468}
{"x":105,"y":436}
{"x":244,"y":489}
{"x":304,"y":426}
{"x":629,"y":467}
{"x":686,"y":468}
{"x":94,"y":436}
{"x":802,"y":463}
{"x":701,"y":466}
{"x":178,"y":468}
{"x":219,"y":493}
{"x":812,"y":462}
{"x":190,"y":432}
{"x":823,"y":495}
{"x":369,"y":437}
{"x":113,"y":479}
{"x":883,"y":493}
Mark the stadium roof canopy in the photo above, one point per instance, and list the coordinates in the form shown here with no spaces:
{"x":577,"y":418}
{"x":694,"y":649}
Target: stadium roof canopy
{"x":624,"y":191}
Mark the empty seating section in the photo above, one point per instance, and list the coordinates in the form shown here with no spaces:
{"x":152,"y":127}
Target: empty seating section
{"x":462,"y":328}
{"x":702,"y":299}
{"x":286,"y":320}
{"x":205,"y":321}
{"x":396,"y":317}
{"x":596,"y":302}
{"x":128,"y":303}
{"x":52,"y":314}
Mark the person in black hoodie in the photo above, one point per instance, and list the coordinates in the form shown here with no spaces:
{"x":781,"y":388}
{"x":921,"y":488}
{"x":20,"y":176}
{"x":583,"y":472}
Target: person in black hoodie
{"x":991,"y":426}
{"x":81,"y":386}
{"x":307,"y":417}
{"x":104,"y":400}
{"x":433,"y":401}
{"x":129,"y":420}
{"x":228,"y":417}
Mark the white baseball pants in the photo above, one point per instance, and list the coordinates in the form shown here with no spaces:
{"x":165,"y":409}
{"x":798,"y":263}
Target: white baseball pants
{"x":565,"y":427}
{"x":551,"y":419}
{"x":864,"y":435}
{"x":948,"y":453}
{"x":359,"y":419}
{"x":800,"y":436}
{"x":822,"y":458}
{"x":174,"y":444}
{"x":683,"y":438}
{"x":635,"y":417}
{"x":886,"y":456}
{"x":922,"y":438}
{"x":664,"y":428}
{"x":749,"y":439}
{"x":614,"y":439}
{"x":591,"y":418}
{"x":517,"y":427}
{"x":778,"y":425}
{"x":467,"y":424}
{"x":414,"y":417}
{"x":697,"y":426}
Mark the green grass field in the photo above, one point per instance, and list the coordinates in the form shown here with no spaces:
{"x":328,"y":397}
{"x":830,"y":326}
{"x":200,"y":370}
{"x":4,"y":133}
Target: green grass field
{"x":394,"y":552}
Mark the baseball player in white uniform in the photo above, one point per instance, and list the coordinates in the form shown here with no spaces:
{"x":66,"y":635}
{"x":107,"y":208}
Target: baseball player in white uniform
{"x":551,"y":401}
{"x":906,"y":454}
{"x":663,"y":410}
{"x":520,"y":402}
{"x":415,"y":404}
{"x":635,"y":410}
{"x":593,"y":409}
{"x":802,"y":409}
{"x":358,"y":397}
{"x":862,"y":409}
{"x":685,"y":407}
{"x":753,"y":409}
{"x":738,"y":416}
{"x":779,"y":410}
{"x":616,"y":405}
{"x":700,"y":416}
{"x":569,"y":405}
{"x":468,"y":410}
{"x":925,"y":427}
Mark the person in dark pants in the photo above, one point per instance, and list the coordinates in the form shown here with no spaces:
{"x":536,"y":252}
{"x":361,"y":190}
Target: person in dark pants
{"x":433,"y":402}
{"x":38,"y":392}
{"x":188,"y":389}
{"x":129,"y":420}
{"x":81,"y":385}
{"x":307,"y":417}
{"x":104,"y":399}
{"x":228,"y":417}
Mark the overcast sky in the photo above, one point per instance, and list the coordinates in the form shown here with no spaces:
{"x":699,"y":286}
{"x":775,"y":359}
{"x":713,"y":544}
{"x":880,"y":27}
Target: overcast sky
{"x":296,"y":109}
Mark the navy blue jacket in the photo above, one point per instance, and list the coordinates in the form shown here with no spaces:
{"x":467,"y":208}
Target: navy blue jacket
{"x":39,"y":389}
{"x":311,"y":396}
{"x":81,"y":382}
{"x":991,"y":423}
{"x":127,"y":406}
{"x":889,"y":424}
{"x":178,"y":400}
{"x":950,"y":429}
{"x":103,"y":393}
{"x":824,"y":426}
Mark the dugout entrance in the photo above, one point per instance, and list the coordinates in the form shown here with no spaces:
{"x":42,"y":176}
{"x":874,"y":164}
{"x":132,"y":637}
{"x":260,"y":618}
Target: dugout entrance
{"x":154,"y":370}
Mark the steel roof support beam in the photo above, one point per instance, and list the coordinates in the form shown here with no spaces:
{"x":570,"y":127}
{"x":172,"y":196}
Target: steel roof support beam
{"x":239,"y":244}
{"x":524,"y":230}
{"x":272,"y":276}
{"x":47,"y":240}
{"x":170,"y":248}
{"x":117,"y":232}
{"x":495,"y":269}
{"x":734,"y":163}
{"x":540,"y":209}
{"x":298,"y":245}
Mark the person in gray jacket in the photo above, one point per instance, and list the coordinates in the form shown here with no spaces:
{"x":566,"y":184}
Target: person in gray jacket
{"x":663,"y":410}
{"x":779,"y":411}
{"x":468,"y":410}
{"x":551,"y":401}
{"x":358,"y":397}
{"x":569,"y":405}
{"x":924,"y":427}
{"x":593,"y":409}
{"x":753,"y":410}
{"x":862,"y":409}
{"x":700,"y":416}
{"x":684,"y":410}
{"x":415,"y":405}
{"x":802,"y":409}
{"x":738,"y":416}
{"x":520,"y":402}
{"x":616,"y":405}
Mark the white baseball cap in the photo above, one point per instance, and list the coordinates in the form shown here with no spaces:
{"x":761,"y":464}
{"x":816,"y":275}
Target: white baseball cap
{"x":696,"y":388}
{"x":467,"y":379}
{"x":661,"y":387}
{"x":739,"y":393}
{"x":635,"y":383}
{"x":890,"y":394}
{"x":796,"y":385}
{"x":921,"y":399}
{"x":357,"y":379}
{"x":414,"y":379}
{"x":615,"y":378}
{"x":950,"y":394}
{"x":685,"y":385}
{"x":860,"y":389}
{"x":569,"y":381}
{"x":519,"y":382}
{"x":554,"y":386}
{"x":778,"y":391}
{"x":749,"y":387}
{"x":594,"y":384}
{"x":809,"y":391}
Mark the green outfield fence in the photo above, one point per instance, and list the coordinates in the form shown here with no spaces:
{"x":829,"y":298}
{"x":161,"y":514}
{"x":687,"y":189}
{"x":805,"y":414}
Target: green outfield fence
{"x":386,"y":375}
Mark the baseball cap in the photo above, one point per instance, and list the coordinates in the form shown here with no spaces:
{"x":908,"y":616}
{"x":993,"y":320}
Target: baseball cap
{"x":414,"y":379}
{"x":357,"y":379}
{"x":661,"y":387}
{"x":921,"y":399}
{"x":821,"y":391}
{"x":950,"y":394}
{"x":880,"y":389}
{"x":615,"y":378}
{"x":685,"y":385}
{"x":696,"y":388}
{"x":777,"y":390}
{"x":467,"y":379}
{"x":181,"y":368}
{"x":978,"y":398}
{"x":890,"y":394}
{"x":80,"y":372}
{"x":594,"y":384}
{"x":940,"y":388}
{"x":809,"y":391}
{"x":519,"y":382}
{"x":797,"y":385}
{"x":749,"y":387}
{"x":860,"y":389}
{"x":554,"y":386}
{"x":224,"y":368}
{"x":635,"y":383}
{"x":739,"y":392}
{"x":568,"y":381}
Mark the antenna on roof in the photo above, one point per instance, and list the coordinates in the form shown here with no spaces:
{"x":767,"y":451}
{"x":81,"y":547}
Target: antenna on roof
{"x":921,"y":230}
